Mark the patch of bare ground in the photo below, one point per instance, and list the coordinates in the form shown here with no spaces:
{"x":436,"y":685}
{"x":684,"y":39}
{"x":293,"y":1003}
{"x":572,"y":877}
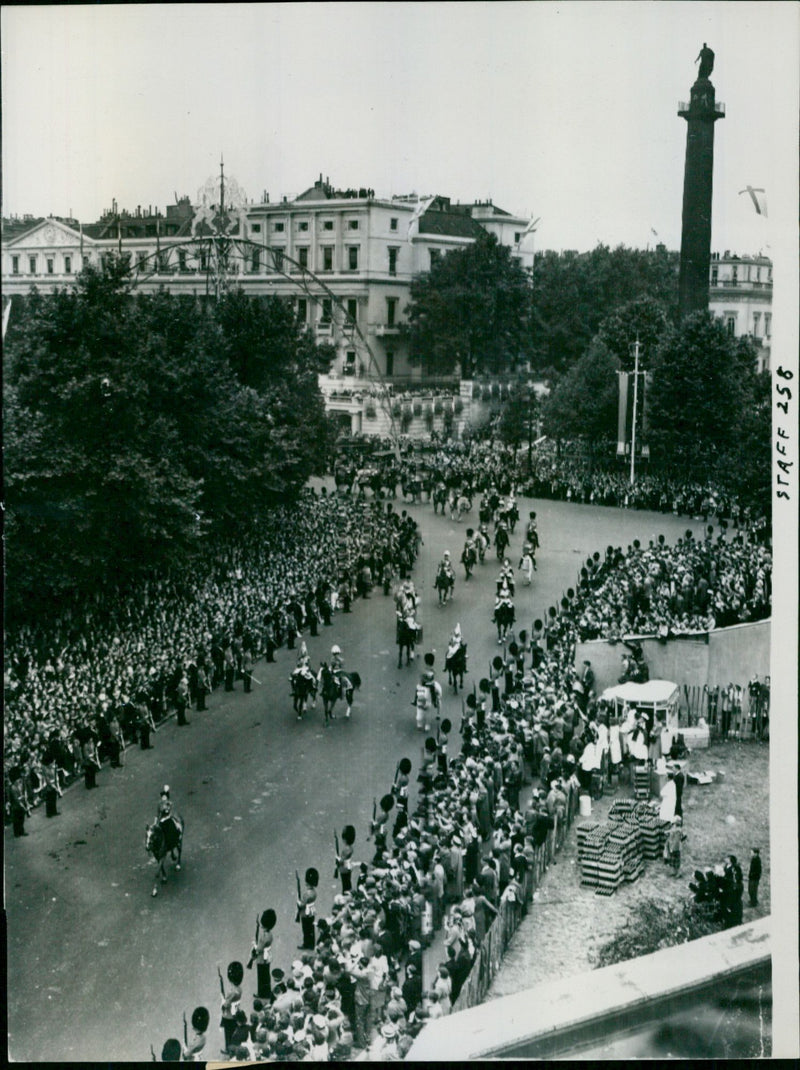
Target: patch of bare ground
{"x":568,"y":923}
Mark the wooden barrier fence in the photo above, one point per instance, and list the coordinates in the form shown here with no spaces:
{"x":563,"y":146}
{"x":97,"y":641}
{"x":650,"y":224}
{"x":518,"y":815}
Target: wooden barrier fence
{"x":489,"y":956}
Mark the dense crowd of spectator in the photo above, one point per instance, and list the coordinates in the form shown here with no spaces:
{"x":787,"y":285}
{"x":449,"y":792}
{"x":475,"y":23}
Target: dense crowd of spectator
{"x":691,"y":586}
{"x":463,"y":851}
{"x":105,"y":672}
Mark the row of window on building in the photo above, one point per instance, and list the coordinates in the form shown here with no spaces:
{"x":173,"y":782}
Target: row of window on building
{"x":259,"y":260}
{"x":730,"y":323}
{"x":751,"y":274}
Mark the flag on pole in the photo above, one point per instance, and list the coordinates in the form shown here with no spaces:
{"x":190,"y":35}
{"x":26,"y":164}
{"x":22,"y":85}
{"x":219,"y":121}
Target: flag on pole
{"x":758,"y":197}
{"x":622,"y":420}
{"x":422,"y":207}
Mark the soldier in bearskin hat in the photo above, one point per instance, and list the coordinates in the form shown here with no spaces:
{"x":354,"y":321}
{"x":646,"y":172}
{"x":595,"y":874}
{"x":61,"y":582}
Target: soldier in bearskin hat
{"x":261,"y":953}
{"x":230,"y":1000}
{"x":193,"y":1047}
{"x":307,"y":907}
{"x":344,"y":859}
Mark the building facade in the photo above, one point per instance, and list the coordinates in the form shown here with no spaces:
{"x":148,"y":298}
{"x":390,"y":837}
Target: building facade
{"x":345,"y":258}
{"x":740,"y":294}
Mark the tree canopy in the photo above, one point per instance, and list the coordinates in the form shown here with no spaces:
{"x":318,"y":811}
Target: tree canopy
{"x":703,"y":385}
{"x":583,"y":405}
{"x":574,"y":292}
{"x":473,"y":307}
{"x":135,"y":423}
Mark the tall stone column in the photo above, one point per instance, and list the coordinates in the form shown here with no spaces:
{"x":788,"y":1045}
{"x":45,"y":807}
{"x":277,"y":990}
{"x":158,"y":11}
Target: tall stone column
{"x":701,"y":113}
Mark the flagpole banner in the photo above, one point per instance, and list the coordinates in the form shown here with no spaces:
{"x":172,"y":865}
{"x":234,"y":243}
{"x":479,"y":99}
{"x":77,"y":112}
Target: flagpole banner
{"x":622,"y":422}
{"x":645,"y":395}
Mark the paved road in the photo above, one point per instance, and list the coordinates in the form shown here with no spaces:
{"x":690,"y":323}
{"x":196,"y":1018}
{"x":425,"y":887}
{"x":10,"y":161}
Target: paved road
{"x":97,"y":969}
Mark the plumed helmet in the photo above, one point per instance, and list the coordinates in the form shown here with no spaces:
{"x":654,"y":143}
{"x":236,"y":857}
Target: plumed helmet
{"x":312,"y":877}
{"x":200,"y":1019}
{"x":268,"y":919}
{"x":165,"y":790}
{"x":405,"y":766}
{"x":349,"y":835}
{"x":447,"y":553}
{"x":235,"y":973}
{"x":336,"y":649}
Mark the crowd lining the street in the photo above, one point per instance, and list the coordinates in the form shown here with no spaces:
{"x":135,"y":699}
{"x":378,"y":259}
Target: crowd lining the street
{"x":108,"y":673}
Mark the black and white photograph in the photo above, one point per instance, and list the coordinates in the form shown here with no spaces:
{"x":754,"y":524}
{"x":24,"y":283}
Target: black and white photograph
{"x":400,"y":543}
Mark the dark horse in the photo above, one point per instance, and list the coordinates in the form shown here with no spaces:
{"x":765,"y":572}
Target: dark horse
{"x":304,"y":687}
{"x":504,"y":616}
{"x":161,"y":838}
{"x":407,"y":637}
{"x":469,"y":558}
{"x":439,"y":496}
{"x":444,"y":584}
{"x":456,"y":665}
{"x":334,"y":686}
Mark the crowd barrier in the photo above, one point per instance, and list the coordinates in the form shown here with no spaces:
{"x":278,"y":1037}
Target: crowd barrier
{"x":489,"y":956}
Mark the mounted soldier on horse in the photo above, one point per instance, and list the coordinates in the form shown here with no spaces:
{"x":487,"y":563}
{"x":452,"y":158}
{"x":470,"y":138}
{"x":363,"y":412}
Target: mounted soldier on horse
{"x":455,"y":660}
{"x":445,"y":579}
{"x":164,"y":836}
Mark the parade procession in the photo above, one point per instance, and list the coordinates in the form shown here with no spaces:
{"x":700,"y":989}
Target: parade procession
{"x":394,"y":663}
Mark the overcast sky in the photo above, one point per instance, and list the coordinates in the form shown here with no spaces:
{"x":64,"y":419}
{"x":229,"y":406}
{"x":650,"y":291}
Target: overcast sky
{"x":565,"y":111}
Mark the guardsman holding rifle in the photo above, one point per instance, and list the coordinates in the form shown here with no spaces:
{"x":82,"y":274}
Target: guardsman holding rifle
{"x":307,"y":907}
{"x":230,"y":1000}
{"x":192,"y":1049}
{"x":261,"y":953}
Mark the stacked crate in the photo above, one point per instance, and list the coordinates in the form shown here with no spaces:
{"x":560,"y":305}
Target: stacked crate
{"x":621,"y":810}
{"x":626,"y":840}
{"x":641,"y":782}
{"x":610,"y":868}
{"x":590,"y":850}
{"x":653,"y":833}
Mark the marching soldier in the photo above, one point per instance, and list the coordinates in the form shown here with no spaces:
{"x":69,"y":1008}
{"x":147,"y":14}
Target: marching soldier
{"x":307,"y":907}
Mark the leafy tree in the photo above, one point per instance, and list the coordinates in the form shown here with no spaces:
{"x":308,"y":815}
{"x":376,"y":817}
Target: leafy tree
{"x":128,"y":432}
{"x":472,"y":307}
{"x":703,"y":381}
{"x":642,"y":319}
{"x":574,"y":292}
{"x":584,"y":403}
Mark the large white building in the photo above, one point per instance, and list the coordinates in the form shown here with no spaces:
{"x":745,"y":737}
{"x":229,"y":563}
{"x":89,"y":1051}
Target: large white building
{"x":363,"y":252}
{"x":741,"y":294}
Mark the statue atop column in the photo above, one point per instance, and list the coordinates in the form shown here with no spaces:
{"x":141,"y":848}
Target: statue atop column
{"x":706,"y":58}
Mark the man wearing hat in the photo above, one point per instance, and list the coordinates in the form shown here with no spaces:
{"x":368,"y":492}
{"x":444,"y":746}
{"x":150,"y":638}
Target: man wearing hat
{"x":193,"y":1047}
{"x":261,"y":953}
{"x":307,"y":908}
{"x":344,"y":860}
